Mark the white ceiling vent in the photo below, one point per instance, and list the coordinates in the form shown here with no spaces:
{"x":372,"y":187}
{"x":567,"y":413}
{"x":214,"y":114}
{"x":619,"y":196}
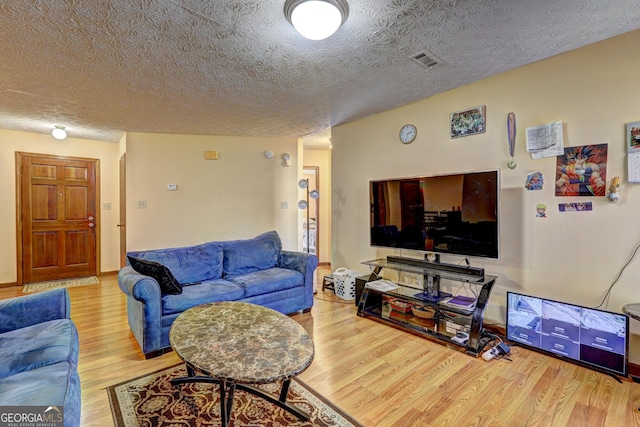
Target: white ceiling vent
{"x":425,"y":59}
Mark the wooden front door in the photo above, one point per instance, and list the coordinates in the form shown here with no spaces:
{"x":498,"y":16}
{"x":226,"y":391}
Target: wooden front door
{"x":57,"y":217}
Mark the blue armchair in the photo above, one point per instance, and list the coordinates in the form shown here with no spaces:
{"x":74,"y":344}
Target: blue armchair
{"x":39,"y":353}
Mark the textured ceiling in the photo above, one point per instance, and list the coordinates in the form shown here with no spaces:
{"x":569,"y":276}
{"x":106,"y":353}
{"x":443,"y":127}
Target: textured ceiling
{"x":237,"y":67}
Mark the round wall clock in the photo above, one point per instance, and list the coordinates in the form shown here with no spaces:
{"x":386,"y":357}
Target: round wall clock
{"x":408,"y":133}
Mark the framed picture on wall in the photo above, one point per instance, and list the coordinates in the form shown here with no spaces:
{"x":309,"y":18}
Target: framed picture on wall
{"x":633,"y":137}
{"x":468,"y":122}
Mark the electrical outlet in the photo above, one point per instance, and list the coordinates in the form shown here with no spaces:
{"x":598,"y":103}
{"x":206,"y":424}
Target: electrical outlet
{"x":172,"y":187}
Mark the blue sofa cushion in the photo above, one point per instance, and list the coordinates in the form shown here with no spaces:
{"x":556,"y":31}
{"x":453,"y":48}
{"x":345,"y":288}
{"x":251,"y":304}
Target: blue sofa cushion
{"x":267,"y":281}
{"x":246,"y":256}
{"x":168,"y":284}
{"x":19,"y":312}
{"x":205,"y":292}
{"x":188,"y":264}
{"x":38,"y":345}
{"x":53,"y":385}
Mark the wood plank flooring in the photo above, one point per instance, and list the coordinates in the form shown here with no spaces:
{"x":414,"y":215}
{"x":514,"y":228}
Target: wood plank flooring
{"x":379,"y":375}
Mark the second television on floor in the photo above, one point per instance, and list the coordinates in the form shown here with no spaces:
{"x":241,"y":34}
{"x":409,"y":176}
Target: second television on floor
{"x":591,"y":337}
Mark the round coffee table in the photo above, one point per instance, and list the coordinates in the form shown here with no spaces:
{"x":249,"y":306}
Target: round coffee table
{"x":632,"y":310}
{"x":235,"y":344}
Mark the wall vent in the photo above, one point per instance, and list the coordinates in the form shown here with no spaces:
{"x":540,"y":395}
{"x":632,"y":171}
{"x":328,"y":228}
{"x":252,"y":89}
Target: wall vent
{"x":425,"y":59}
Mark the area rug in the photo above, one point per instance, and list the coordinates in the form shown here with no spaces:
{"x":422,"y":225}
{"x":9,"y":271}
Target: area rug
{"x":54,"y":284}
{"x":151,"y":400}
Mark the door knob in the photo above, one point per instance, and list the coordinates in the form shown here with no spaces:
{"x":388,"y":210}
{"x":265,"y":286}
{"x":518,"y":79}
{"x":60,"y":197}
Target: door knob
{"x":90,"y":225}
{"x":90,"y":218}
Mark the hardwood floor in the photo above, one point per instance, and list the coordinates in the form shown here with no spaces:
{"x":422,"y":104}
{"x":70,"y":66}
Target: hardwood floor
{"x":379,"y":375}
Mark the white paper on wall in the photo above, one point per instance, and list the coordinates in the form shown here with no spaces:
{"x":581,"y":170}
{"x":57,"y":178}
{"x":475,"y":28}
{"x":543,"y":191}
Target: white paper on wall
{"x":546,"y":140}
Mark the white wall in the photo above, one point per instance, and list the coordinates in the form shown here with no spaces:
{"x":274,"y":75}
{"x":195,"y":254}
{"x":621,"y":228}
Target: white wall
{"x":107,"y":153}
{"x":572,"y":257}
{"x":237,"y":196}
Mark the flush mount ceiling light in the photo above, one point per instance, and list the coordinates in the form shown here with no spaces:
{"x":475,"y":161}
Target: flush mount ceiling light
{"x":316,"y":19}
{"x":58,"y":132}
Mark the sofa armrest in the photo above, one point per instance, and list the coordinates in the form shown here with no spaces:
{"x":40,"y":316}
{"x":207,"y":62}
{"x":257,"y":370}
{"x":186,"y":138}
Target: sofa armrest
{"x":23,"y":311}
{"x":299,"y":261}
{"x":138,"y":286}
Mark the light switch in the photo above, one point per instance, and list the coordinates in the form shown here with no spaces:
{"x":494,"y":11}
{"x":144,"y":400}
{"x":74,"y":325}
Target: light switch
{"x":172,"y":187}
{"x":284,"y":205}
{"x":106,"y":206}
{"x":142,"y":204}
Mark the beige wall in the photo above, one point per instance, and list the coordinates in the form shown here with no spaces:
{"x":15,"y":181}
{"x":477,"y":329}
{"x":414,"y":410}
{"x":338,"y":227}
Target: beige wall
{"x":237,"y":196}
{"x":322,"y":159}
{"x":571,"y":257}
{"x":107,"y":153}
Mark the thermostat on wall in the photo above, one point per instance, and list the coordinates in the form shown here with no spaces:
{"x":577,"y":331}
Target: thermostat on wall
{"x":211,"y":155}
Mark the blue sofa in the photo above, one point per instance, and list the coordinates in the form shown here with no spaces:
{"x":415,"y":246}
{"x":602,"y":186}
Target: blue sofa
{"x":254,"y":270}
{"x":39,"y":354}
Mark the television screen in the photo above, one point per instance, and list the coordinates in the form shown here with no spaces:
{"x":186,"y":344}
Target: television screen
{"x":454,"y":214}
{"x":595,"y":338}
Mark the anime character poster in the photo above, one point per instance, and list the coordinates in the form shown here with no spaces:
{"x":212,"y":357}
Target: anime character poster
{"x":582,"y":171}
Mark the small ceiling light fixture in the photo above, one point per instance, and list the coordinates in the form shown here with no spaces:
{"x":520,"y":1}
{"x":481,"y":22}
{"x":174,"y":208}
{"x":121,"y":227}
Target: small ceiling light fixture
{"x":316,"y":19}
{"x":58,"y":132}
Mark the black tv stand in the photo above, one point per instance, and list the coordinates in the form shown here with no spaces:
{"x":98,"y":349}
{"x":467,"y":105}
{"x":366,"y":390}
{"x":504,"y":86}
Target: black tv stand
{"x":425,"y":310}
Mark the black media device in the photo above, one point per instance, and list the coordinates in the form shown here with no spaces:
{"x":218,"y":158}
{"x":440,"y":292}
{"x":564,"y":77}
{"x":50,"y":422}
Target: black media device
{"x":451,"y":268}
{"x":594,"y":338}
{"x":448,"y":214}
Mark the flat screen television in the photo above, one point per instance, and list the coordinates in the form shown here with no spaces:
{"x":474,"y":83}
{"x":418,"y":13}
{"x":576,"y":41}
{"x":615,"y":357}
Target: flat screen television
{"x":594,"y":338}
{"x":451,"y":214}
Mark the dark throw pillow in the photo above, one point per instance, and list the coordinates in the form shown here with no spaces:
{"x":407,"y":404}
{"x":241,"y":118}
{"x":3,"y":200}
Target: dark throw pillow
{"x":168,"y":284}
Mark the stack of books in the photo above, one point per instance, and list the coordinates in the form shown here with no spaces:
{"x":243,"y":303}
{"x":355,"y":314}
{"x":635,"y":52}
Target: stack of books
{"x":460,"y":301}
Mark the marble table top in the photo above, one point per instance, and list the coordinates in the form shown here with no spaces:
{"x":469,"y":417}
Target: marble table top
{"x":633,"y":310}
{"x":242,"y":342}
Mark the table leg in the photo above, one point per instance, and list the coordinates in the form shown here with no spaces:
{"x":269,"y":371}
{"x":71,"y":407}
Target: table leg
{"x":226,"y":401}
{"x":193,"y":378}
{"x":284,"y":391}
